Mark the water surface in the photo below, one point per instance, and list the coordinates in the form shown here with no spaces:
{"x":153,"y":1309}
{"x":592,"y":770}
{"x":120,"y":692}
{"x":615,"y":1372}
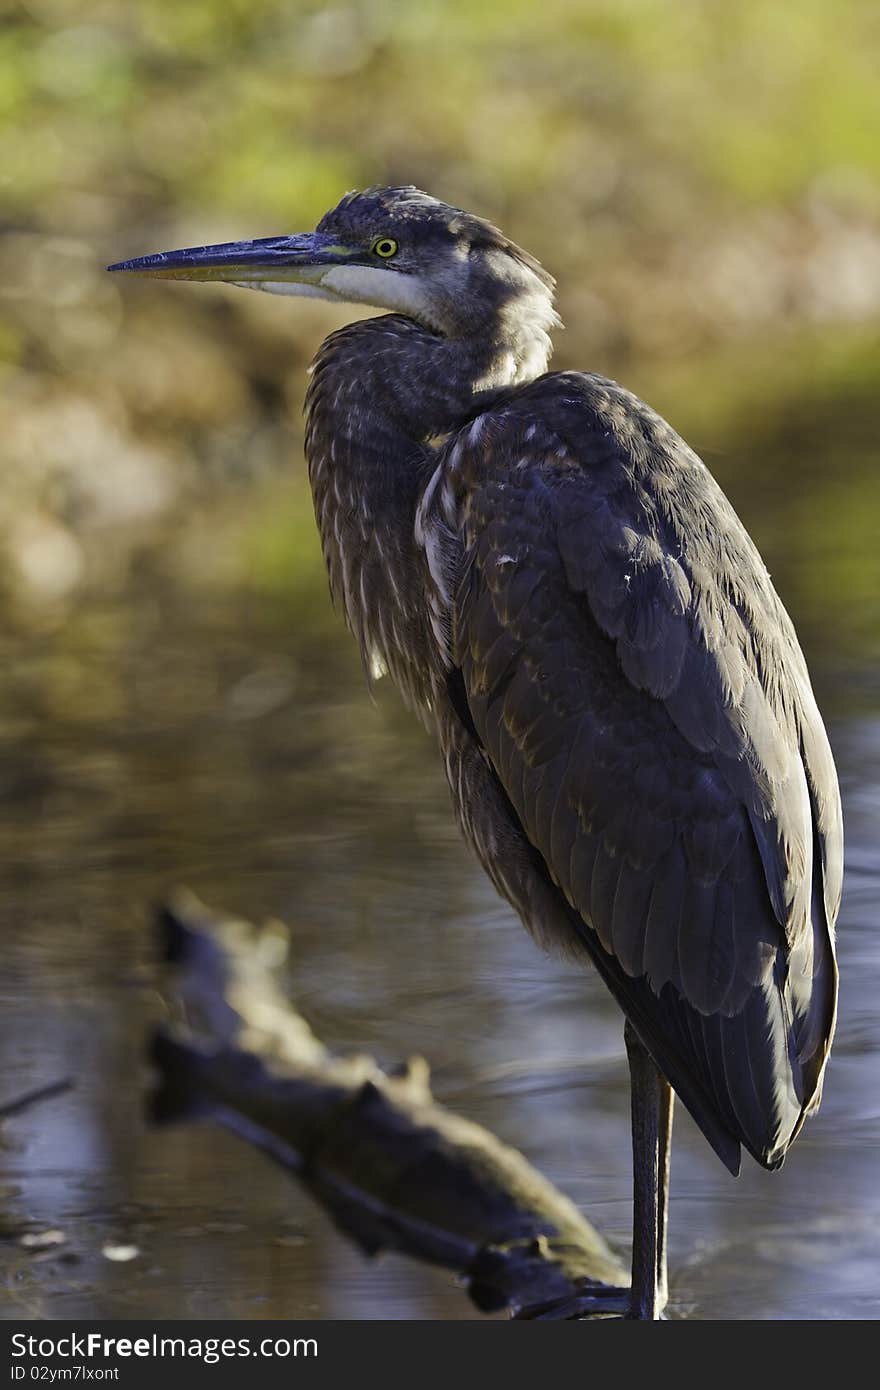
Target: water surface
{"x":191,"y":737}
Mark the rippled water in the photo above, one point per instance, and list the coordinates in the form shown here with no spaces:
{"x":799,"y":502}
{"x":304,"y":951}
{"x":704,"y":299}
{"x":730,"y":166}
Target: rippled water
{"x":183,"y":738}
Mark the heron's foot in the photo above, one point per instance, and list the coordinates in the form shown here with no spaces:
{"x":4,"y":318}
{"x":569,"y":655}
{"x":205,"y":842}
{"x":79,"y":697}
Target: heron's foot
{"x":596,"y":1301}
{"x":590,"y":1301}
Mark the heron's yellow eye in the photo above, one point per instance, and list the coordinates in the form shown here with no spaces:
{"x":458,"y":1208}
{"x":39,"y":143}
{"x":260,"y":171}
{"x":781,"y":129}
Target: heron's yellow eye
{"x":384,"y":246}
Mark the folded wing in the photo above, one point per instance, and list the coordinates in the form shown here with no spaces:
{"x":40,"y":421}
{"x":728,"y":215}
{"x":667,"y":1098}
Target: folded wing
{"x":640,"y":695}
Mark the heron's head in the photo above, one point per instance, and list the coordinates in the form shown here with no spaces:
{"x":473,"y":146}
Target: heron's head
{"x":394,"y":248}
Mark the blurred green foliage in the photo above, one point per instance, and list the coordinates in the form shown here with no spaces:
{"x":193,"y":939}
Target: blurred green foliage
{"x":702,"y":177}
{"x":269,"y":107}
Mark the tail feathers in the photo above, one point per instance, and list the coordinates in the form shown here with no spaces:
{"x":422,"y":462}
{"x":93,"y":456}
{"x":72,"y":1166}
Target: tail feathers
{"x":669,"y":1043}
{"x":738,"y":1075}
{"x":811,"y":993}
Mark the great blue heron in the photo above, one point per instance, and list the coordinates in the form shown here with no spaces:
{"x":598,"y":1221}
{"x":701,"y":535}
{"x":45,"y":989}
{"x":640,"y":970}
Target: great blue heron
{"x":559,"y":586}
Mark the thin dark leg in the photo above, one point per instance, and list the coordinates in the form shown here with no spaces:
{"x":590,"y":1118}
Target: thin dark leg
{"x":664,"y":1150}
{"x":652,"y":1101}
{"x":651,"y":1129}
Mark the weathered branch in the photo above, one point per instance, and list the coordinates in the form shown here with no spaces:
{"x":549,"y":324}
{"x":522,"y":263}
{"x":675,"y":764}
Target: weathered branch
{"x":48,"y":1092}
{"x":394,"y":1169}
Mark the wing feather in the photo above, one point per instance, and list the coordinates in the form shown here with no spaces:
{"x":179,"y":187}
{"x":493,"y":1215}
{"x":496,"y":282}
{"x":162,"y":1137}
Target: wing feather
{"x":639,"y":691}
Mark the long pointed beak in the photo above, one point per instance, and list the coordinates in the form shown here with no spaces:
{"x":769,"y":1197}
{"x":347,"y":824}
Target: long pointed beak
{"x":300,"y":259}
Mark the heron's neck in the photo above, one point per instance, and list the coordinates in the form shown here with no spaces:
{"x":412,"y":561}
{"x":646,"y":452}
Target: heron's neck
{"x":413,"y":383}
{"x":384,"y":392}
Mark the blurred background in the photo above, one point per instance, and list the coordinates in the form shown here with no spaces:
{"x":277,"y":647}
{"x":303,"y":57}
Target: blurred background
{"x":179,"y":704}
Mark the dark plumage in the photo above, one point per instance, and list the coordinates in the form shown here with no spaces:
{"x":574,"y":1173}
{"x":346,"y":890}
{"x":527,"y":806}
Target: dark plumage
{"x":558,"y":585}
{"x":641,"y":696}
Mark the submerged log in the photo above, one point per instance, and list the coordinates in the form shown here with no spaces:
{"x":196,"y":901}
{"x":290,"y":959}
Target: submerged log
{"x":394,"y":1169}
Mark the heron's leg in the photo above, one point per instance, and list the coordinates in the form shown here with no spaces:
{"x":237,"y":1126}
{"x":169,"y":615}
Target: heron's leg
{"x":651,"y":1129}
{"x":664,"y":1151}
